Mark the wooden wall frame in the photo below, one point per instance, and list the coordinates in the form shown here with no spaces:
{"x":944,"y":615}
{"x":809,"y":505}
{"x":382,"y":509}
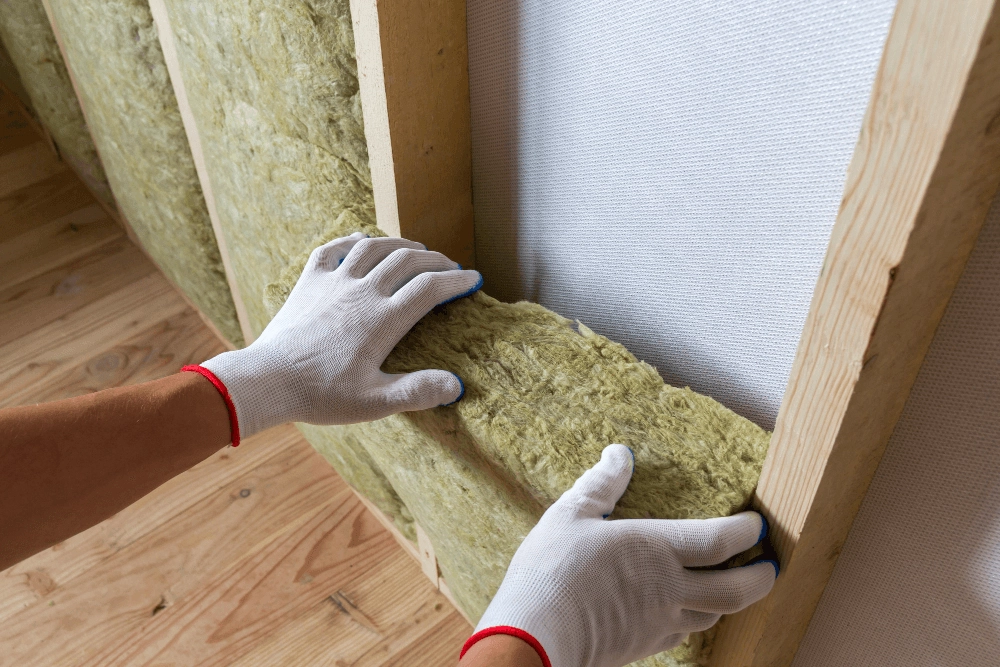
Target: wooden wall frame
{"x":413,"y":71}
{"x":924,"y":173}
{"x":118,"y":216}
{"x":448,"y":159}
{"x":161,"y":19}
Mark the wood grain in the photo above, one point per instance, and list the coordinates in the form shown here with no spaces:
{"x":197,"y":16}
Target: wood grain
{"x":28,"y":362}
{"x":57,"y":567}
{"x":414,"y":79}
{"x":33,"y":303}
{"x":925,"y":169}
{"x":45,"y":247}
{"x":95,"y":615}
{"x":26,"y":165}
{"x":41,"y":202}
{"x":166,"y":36}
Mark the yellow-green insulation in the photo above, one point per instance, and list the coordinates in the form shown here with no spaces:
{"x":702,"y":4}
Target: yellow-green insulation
{"x":274,"y":92}
{"x":31,"y":45}
{"x":114,"y":52}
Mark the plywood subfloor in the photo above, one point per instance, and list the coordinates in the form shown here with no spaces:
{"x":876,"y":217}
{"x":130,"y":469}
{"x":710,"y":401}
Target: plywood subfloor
{"x":260,"y":555}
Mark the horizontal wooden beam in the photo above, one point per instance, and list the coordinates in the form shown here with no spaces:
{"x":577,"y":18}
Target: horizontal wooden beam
{"x":920,"y":183}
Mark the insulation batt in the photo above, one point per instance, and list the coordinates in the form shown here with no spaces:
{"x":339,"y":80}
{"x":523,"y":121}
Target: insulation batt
{"x":274,"y":91}
{"x":543,"y":398}
{"x":273,"y":87}
{"x":115,"y":55}
{"x":25,"y":31}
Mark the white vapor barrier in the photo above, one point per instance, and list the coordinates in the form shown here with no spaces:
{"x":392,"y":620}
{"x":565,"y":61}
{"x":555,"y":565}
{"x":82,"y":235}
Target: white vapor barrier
{"x":668,"y":171}
{"x":918,"y":580}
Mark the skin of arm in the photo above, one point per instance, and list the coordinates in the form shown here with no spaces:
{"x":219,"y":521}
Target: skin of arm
{"x":70,"y":464}
{"x":501,"y":651}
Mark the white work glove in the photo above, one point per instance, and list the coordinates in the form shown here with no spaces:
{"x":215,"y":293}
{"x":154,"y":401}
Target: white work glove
{"x":588,"y":592}
{"x":319,"y":359}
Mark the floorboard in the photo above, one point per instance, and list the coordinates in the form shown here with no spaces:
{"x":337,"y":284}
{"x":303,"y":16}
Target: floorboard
{"x":33,"y":303}
{"x":259,"y":555}
{"x":41,"y":202}
{"x":50,"y":245}
{"x":26,"y":165}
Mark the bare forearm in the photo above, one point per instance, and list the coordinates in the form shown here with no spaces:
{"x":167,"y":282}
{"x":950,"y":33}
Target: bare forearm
{"x":67,"y":465}
{"x":501,"y":651}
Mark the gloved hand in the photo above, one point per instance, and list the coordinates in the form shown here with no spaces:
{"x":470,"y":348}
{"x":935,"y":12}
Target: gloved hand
{"x":587,"y":592}
{"x":318,"y":360}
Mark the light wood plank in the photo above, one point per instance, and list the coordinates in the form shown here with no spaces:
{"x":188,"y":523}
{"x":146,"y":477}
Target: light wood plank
{"x":413,"y":73}
{"x":365,"y":623}
{"x":31,"y":304}
{"x":426,"y":557}
{"x":166,"y":36}
{"x":208,"y":548}
{"x":25,"y":364}
{"x":41,"y":203}
{"x":440,"y":646}
{"x":926,"y":167}
{"x":320,"y":552}
{"x":26,"y":165}
{"x":161,"y":349}
{"x":43,"y":248}
{"x":31,"y":580}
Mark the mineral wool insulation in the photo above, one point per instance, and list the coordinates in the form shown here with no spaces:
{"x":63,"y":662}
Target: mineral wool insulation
{"x":274,"y":91}
{"x":115,"y":55}
{"x":28,"y":37}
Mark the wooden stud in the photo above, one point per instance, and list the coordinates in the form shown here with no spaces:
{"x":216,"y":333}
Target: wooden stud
{"x":428,"y":562}
{"x":112,"y":209}
{"x":924,"y":172}
{"x":413,"y":70}
{"x":169,"y":47}
{"x":117,"y":216}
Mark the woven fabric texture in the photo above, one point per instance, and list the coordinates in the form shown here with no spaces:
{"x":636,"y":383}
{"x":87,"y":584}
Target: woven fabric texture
{"x":918,"y":581}
{"x":667,"y":169}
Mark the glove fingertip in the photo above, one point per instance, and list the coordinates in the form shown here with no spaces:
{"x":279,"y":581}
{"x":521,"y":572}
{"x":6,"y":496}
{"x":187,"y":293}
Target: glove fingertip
{"x":461,"y":393}
{"x":472,"y":290}
{"x":764,"y":559}
{"x":763,"y":528}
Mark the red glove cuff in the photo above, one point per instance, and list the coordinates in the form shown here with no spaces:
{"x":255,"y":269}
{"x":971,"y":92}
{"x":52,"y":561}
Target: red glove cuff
{"x":234,"y":425}
{"x":507,"y":630}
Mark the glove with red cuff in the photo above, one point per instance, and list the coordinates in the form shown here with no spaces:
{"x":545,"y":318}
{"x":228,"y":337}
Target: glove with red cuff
{"x":319,"y":359}
{"x":587,"y":592}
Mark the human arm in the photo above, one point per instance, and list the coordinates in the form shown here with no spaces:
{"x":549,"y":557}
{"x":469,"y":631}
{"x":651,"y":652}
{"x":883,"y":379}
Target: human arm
{"x":69,"y":464}
{"x":585,"y":591}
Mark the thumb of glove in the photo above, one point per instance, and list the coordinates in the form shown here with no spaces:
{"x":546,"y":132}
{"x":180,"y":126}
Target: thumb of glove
{"x":596,"y":491}
{"x":422,"y":390}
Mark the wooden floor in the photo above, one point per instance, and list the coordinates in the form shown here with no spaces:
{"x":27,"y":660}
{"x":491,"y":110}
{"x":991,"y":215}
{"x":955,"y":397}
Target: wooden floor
{"x":260,"y":555}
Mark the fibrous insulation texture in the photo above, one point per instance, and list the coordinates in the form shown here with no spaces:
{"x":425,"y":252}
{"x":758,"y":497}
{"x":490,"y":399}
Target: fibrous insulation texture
{"x":114,"y":53}
{"x":31,"y":44}
{"x":273,"y":87}
{"x":274,"y":92}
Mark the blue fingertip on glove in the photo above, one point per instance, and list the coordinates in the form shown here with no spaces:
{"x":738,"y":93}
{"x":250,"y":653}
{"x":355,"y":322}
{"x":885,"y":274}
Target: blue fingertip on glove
{"x":765,"y":559}
{"x":460,"y":395}
{"x":475,"y":288}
